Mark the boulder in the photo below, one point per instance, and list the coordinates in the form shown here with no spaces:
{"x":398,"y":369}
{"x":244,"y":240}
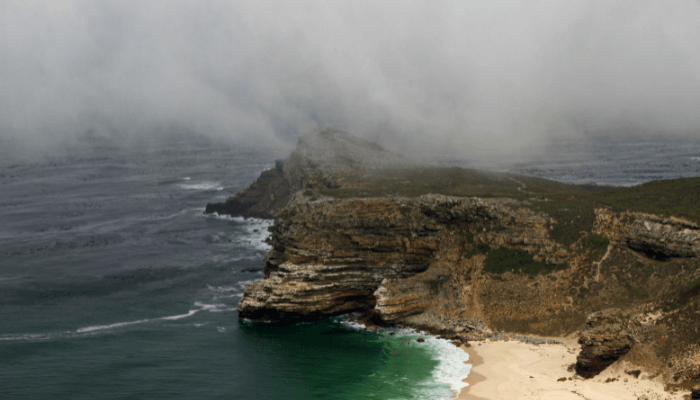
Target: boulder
{"x":606,"y":338}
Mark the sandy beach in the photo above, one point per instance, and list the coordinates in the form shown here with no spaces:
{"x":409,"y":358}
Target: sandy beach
{"x":514,"y":370}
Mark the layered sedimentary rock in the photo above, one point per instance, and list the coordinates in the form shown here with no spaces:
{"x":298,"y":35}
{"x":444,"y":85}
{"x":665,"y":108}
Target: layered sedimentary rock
{"x":655,"y":236}
{"x":331,"y":255}
{"x":399,"y":298}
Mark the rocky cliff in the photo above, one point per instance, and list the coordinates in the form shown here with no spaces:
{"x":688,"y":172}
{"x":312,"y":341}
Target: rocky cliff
{"x":542,"y":260}
{"x":331,"y":255}
{"x":657,"y":237}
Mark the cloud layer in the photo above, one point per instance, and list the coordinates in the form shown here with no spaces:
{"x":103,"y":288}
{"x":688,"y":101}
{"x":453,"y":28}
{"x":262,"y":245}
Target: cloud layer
{"x":441,"y":79}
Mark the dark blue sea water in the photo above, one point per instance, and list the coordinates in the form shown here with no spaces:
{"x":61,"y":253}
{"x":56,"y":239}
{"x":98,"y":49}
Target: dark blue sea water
{"x":114,"y":285}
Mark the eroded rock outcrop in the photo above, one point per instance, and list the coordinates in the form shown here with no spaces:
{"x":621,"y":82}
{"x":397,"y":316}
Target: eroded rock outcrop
{"x":606,"y":338}
{"x":655,"y":236}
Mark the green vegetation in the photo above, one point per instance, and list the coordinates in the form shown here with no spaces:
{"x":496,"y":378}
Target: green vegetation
{"x":635,"y":373}
{"x":599,"y":244}
{"x":571,"y":206}
{"x":694,"y":284}
{"x":677,"y":197}
{"x":311,"y":195}
{"x":466,"y":235}
{"x":478,"y":249}
{"x":671,"y":306}
{"x":598,"y":241}
{"x":638,"y":293}
{"x":452,"y":181}
{"x":502,"y":260}
{"x":574,"y":214}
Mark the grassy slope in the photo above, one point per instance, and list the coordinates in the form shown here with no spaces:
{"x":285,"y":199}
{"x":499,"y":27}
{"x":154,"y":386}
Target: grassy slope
{"x":448,"y":181}
{"x":678,"y":197}
{"x":570,"y":205}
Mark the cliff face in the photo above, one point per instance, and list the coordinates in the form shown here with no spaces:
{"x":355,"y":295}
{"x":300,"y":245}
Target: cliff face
{"x":389,"y":255}
{"x":330,"y":256}
{"x":657,"y":237}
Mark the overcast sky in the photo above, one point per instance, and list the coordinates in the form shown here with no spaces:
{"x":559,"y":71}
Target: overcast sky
{"x":441,"y":78}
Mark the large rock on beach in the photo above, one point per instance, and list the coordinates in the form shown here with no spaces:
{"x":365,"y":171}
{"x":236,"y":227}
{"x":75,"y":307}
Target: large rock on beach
{"x":607,"y":337}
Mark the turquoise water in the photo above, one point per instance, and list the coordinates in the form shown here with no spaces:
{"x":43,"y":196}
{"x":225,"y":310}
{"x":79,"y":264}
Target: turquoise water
{"x":114,"y":285}
{"x":327,"y":353}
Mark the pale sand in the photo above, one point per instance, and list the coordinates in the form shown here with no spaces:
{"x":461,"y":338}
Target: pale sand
{"x":515,"y":370}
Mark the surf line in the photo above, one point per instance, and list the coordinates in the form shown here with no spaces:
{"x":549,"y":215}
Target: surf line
{"x":94,"y":328}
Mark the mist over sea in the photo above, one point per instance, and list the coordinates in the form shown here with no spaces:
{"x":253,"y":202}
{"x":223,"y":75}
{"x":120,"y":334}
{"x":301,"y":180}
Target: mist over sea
{"x":605,"y":161}
{"x":114,"y":285}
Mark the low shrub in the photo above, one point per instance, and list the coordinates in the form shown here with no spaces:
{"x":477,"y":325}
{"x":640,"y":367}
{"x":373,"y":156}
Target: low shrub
{"x":503,"y":259}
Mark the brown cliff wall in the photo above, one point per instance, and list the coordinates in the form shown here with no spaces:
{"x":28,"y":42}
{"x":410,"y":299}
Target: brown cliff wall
{"x":330,"y":256}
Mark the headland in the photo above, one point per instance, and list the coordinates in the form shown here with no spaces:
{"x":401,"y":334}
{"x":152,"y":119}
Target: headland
{"x":481,"y":256}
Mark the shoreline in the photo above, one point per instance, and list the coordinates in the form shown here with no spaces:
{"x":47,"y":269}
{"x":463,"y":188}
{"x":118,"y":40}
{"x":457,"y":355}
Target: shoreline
{"x":515,"y":370}
{"x":474,"y":377}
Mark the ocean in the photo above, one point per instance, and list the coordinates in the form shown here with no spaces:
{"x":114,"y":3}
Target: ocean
{"x":114,"y":285}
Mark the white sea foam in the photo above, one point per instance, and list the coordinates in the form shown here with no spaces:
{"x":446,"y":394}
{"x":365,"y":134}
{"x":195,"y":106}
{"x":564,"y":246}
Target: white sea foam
{"x":230,"y":291}
{"x":112,"y":326}
{"x":353,"y":325}
{"x":187,"y":178}
{"x":214,"y":307}
{"x":257,"y":232}
{"x":254,"y":231}
{"x":451,"y":368}
{"x":223,"y":289}
{"x":31,"y":336}
{"x":216,"y":216}
{"x":202,"y":186}
{"x":695,"y":158}
{"x":174,"y":317}
{"x":95,"y":328}
{"x":202,"y":307}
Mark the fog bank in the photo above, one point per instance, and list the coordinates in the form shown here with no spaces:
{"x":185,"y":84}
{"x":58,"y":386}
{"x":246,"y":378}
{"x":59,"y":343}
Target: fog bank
{"x":431,"y":79}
